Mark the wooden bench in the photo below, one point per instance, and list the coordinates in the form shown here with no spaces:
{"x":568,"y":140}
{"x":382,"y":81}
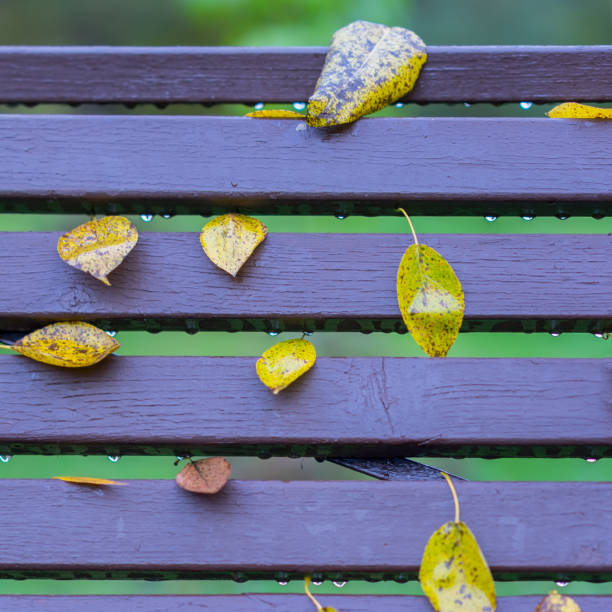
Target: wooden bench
{"x":377,"y":407}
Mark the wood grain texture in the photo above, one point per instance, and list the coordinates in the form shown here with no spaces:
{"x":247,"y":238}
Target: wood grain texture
{"x":359,"y":406}
{"x":240,"y":161}
{"x":309,"y":280}
{"x":254,"y":528}
{"x":258,"y":602}
{"x":226,"y":74}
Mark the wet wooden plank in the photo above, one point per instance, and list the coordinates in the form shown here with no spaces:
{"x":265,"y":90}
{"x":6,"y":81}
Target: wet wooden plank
{"x":362,"y":406}
{"x":233,"y":74}
{"x":258,"y":529}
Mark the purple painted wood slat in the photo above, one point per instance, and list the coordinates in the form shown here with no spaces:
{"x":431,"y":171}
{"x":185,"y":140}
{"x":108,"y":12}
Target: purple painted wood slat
{"x":359,"y":406}
{"x":259,"y":528}
{"x":239,"y":160}
{"x":306,"y":277}
{"x":226,"y":74}
{"x":259,"y":602}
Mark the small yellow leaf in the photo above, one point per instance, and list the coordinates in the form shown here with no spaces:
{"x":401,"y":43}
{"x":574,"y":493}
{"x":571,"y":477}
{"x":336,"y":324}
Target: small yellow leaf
{"x":205,"y":475}
{"x":285,"y":362}
{"x":574,"y":110}
{"x":430,"y":298}
{"x":98,"y":246}
{"x":275,"y":114}
{"x":554,"y":602}
{"x":68,"y":344}
{"x":454,"y":573}
{"x":229,"y":240}
{"x":89,"y":481}
{"x":367,"y":67}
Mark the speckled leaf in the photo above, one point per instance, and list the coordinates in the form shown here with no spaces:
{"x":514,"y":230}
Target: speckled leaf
{"x":275,"y":114}
{"x":82,"y":480}
{"x":229,"y":240}
{"x":367,"y":67}
{"x":205,"y":475}
{"x":554,"y":602}
{"x":68,"y":344}
{"x":98,"y":246}
{"x":285,"y":362}
{"x":430,"y":298}
{"x":574,"y":110}
{"x":454,"y":573}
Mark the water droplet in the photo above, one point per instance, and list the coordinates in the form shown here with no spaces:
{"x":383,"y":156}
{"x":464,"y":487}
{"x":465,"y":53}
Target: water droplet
{"x":317,"y":582}
{"x":167,"y":216}
{"x":273,"y":332}
{"x":526,"y":105}
{"x":111,"y":332}
{"x":467,"y":104}
{"x":259,"y":106}
{"x":399,"y":105}
{"x":179,"y":459}
{"x":591,"y":460}
{"x":114,"y":458}
{"x":307,"y":333}
{"x":491,"y":218}
{"x":340,"y":217}
{"x":562,"y":217}
{"x":527,"y":217}
{"x":562,"y":583}
{"x":555,"y":334}
{"x":339,"y":583}
{"x":299,"y":106}
{"x":5,"y":458}
{"x":598,"y":335}
{"x":146,"y":218}
{"x":283,"y":582}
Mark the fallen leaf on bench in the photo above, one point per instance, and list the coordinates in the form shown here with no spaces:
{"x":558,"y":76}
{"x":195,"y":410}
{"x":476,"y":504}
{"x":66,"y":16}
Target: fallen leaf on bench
{"x":574,"y":110}
{"x":367,"y":67}
{"x":98,"y":246}
{"x":310,"y":596}
{"x":204,"y":475}
{"x":454,"y":573}
{"x":275,"y":114}
{"x":229,"y":240}
{"x":82,"y":480}
{"x":554,"y":602}
{"x":67,"y":344}
{"x":285,"y":362}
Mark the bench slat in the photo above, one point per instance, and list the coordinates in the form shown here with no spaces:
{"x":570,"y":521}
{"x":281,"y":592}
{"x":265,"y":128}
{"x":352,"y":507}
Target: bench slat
{"x":259,"y":602}
{"x":153,"y":528}
{"x":345,"y":406}
{"x":302,"y":281}
{"x":206,"y":161}
{"x":201,"y":74}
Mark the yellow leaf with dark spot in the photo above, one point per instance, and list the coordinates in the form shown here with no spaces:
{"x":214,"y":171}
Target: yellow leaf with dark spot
{"x":205,"y":475}
{"x":367,"y":67}
{"x":454,"y":573}
{"x":554,"y":602}
{"x":229,"y":240}
{"x":68,"y":344}
{"x":430,"y":298}
{"x":82,"y":480}
{"x":98,"y":246}
{"x":574,"y":110}
{"x":285,"y":362}
{"x":275,"y":114}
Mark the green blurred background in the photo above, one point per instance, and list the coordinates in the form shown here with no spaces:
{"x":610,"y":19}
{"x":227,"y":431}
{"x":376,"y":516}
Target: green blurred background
{"x":301,"y":23}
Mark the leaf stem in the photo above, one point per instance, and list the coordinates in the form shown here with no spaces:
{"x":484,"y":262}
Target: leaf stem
{"x":309,"y":594}
{"x":454,"y":493}
{"x":411,"y":226}
{"x":8,"y":347}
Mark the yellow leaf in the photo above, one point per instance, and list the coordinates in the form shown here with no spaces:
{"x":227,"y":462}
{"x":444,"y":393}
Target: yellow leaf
{"x":230,"y":239}
{"x":554,"y":602}
{"x":67,"y":344}
{"x":454,"y":573}
{"x":89,"y":481}
{"x":275,"y":114}
{"x":574,"y":110}
{"x":367,"y":67}
{"x":205,"y":475}
{"x":98,"y":246}
{"x":285,"y":362}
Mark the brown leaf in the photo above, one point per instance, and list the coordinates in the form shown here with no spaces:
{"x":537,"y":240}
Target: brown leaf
{"x":205,"y":475}
{"x":83,"y":480}
{"x":554,"y":602}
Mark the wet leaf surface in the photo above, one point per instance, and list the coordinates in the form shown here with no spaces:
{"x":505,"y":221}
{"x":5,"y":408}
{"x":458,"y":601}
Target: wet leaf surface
{"x":367,"y":67}
{"x":275,"y":114}
{"x":98,"y":246}
{"x":83,"y":480}
{"x":229,"y":240}
{"x":206,"y":476}
{"x":67,"y":344}
{"x":574,"y":110}
{"x":454,"y":573}
{"x":554,"y":602}
{"x":285,"y":362}
{"x":430,"y":299}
